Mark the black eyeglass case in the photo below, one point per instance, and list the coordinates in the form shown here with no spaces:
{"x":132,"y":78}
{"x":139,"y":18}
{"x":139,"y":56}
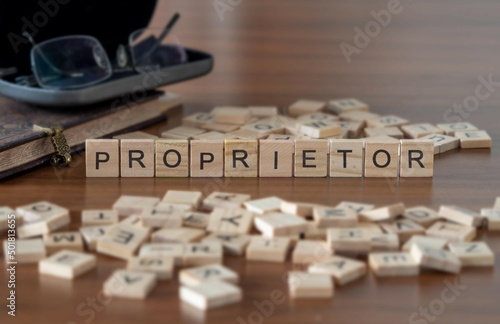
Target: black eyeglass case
{"x":110,"y":22}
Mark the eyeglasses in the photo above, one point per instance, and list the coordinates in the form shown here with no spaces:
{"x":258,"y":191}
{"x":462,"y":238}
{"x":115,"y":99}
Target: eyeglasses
{"x":79,"y":61}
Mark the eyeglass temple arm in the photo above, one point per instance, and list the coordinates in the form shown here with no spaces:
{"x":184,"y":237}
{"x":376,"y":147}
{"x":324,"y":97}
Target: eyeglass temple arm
{"x":164,"y":33}
{"x":169,"y":27}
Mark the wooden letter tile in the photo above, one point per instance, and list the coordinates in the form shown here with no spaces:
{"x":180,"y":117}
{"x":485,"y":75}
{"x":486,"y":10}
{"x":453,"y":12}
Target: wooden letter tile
{"x":137,"y":158}
{"x":346,"y":158}
{"x":213,"y":136}
{"x":352,"y":240}
{"x":172,"y":158}
{"x":236,"y":220}
{"x":264,"y":205}
{"x":263,"y":111}
{"x":358,"y":116}
{"x":134,"y":220}
{"x":67,"y":264}
{"x":460,"y":215}
{"x":248,"y":134}
{"x":26,"y":251}
{"x":404,"y":229}
{"x":297,"y":208}
{"x":346,"y":105}
{"x":320,"y":128}
{"x":317,"y":117}
{"x":473,"y":254}
{"x":43,"y":219}
{"x":99,"y":217}
{"x":191,"y":198}
{"x":356,"y":206}
{"x":452,"y":232}
{"x":417,"y":158}
{"x":173,"y":251}
{"x":279,"y":224}
{"x":451,"y":128}
{"x":325,"y":217}
{"x":308,"y":251}
{"x":55,"y":242}
{"x":218,"y":127}
{"x":91,"y":234}
{"x":385,"y":213}
{"x":241,"y":158}
{"x":433,"y":242}
{"x":102,"y":158}
{"x":496,"y":206}
{"x":384,"y":242}
{"x":211,"y":294}
{"x":161,"y":266}
{"x":133,"y":205}
{"x":474,"y":139}
{"x":232,"y":244}
{"x":279,"y":137}
{"x":268,"y":249}
{"x":195,"y":219}
{"x":310,"y":285}
{"x":421,"y":215}
{"x":387,"y":121}
{"x":393,"y":264}
{"x":343,"y":270}
{"x":163,"y":215}
{"x":354,"y":129}
{"x":492,"y":217}
{"x":265,"y":126}
{"x":231,"y":115}
{"x":211,"y":272}
{"x":370,"y":228}
{"x":384,"y":131}
{"x":276,"y":158}
{"x":304,"y":107}
{"x":224,"y":200}
{"x":207,"y":158}
{"x":182,"y":132}
{"x":41,"y":210}
{"x":7,"y":216}
{"x":129,"y":284}
{"x":122,"y":241}
{"x":177,"y":235}
{"x":436,"y":259}
{"x":381,"y":158}
{"x":314,"y":233}
{"x":311,"y":158}
{"x":420,"y":130}
{"x":442,"y":143}
{"x":381,"y":138}
{"x":196,"y":254}
{"x":197,"y":119}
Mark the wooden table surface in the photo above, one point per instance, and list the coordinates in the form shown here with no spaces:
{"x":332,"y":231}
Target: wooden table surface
{"x":427,"y":59}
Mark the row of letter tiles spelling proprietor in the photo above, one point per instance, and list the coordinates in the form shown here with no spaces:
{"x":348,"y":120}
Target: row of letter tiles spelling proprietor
{"x":264,"y":158}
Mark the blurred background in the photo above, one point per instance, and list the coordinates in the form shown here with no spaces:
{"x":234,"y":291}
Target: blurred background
{"x":429,"y":54}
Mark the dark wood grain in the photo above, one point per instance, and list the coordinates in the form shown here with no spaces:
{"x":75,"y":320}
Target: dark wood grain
{"x":274,"y":52}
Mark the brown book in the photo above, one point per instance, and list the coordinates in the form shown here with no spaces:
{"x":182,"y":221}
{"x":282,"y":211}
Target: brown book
{"x":24,"y":144}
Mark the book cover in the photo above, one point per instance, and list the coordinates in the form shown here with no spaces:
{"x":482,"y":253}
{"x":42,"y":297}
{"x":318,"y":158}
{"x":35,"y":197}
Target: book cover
{"x":24,"y":144}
